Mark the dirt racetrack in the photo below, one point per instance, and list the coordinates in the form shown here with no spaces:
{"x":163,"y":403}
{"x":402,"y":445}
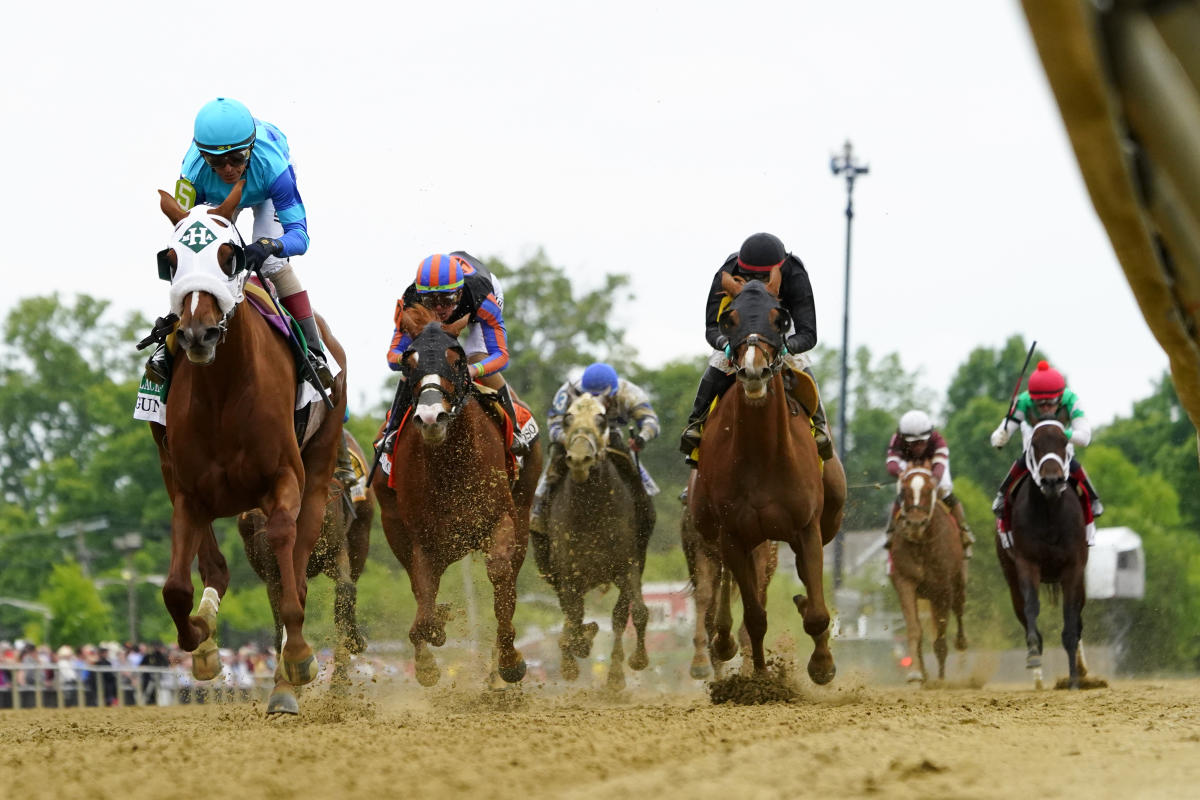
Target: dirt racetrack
{"x":1133,"y":740}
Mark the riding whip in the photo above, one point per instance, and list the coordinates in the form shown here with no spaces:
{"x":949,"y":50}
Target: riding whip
{"x":1012,"y":403}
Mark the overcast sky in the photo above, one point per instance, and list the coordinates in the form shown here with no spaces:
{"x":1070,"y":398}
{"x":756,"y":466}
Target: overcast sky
{"x":648,"y":138}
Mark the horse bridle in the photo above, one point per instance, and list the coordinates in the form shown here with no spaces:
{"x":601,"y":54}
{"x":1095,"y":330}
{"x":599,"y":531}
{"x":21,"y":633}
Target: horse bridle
{"x":1035,"y":465}
{"x":932,"y":495}
{"x":237,"y":280}
{"x":461,"y":383}
{"x":755,"y":340}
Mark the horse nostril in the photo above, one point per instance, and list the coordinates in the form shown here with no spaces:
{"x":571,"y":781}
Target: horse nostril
{"x":211,"y":334}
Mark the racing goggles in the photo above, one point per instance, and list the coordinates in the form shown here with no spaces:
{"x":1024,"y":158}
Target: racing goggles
{"x":235,"y":159}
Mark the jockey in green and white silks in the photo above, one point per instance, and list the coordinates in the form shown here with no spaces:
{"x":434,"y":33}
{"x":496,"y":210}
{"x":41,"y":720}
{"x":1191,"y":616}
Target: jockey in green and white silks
{"x":1046,"y":398}
{"x":626,"y":405}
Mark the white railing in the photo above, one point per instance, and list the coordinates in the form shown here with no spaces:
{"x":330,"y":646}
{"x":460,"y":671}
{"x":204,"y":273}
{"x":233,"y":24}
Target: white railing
{"x":56,"y":686}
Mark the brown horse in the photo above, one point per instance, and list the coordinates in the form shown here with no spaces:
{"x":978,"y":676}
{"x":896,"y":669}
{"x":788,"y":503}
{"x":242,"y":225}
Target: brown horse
{"x":760,"y":477}
{"x":1048,"y":545}
{"x":449,"y":493}
{"x":591,"y":525}
{"x":229,"y":444}
{"x":927,"y":558}
{"x":708,"y":582}
{"x":340,"y":554}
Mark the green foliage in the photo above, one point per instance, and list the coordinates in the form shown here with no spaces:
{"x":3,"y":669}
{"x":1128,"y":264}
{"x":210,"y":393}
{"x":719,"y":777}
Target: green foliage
{"x":80,"y":615}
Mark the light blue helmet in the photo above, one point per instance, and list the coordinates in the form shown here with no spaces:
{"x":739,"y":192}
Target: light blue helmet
{"x":599,"y":379}
{"x":223,"y":124}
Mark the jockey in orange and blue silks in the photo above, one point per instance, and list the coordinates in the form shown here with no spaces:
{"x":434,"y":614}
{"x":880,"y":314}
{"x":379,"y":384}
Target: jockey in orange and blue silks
{"x":452,"y":286}
{"x":1047,"y":397}
{"x":229,"y":145}
{"x":915,"y":441}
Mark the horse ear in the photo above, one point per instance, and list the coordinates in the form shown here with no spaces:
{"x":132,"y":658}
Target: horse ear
{"x":774,"y":281}
{"x":456,"y":327}
{"x":170,"y":206}
{"x":731,"y":284}
{"x":230,"y":204}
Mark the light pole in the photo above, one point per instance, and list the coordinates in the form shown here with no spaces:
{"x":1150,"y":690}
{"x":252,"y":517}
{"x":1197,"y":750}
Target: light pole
{"x":129,"y":544}
{"x":844,"y":165}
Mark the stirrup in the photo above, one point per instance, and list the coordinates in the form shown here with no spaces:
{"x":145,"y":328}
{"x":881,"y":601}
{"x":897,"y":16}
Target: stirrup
{"x":317,"y":361}
{"x":520,"y":447}
{"x":1097,"y":507}
{"x":689,"y":440}
{"x":158,"y":365}
{"x":824,"y":445}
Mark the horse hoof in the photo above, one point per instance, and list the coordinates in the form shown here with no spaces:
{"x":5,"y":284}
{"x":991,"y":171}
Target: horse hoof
{"x":700,"y":672}
{"x":724,"y":648}
{"x":428,"y":676}
{"x":960,"y":643}
{"x":915,"y":677}
{"x":299,"y":673}
{"x":639,"y":661}
{"x":1033,"y":662}
{"x":801,"y":603}
{"x":616,"y":680}
{"x":283,"y":701}
{"x":514,"y":673}
{"x":589,"y":632}
{"x":206,"y":661}
{"x":569,"y":669}
{"x":821,"y":673}
{"x":581,"y":647}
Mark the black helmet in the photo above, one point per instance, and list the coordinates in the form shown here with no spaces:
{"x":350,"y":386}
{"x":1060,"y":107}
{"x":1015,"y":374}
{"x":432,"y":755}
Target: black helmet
{"x":760,"y":253}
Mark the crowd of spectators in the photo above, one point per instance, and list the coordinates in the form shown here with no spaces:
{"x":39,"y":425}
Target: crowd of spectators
{"x":110,"y":673}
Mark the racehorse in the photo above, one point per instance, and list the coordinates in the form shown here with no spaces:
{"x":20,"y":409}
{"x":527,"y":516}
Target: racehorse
{"x":927,"y":559}
{"x":592,"y":530}
{"x":760,"y":477}
{"x":229,"y":444}
{"x":1048,"y":545}
{"x":340,"y":554}
{"x":708,"y":581}
{"x":449,"y":492}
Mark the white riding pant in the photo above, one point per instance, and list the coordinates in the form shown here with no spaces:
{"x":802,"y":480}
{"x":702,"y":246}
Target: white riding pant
{"x":266,"y":224}
{"x":474,"y":344}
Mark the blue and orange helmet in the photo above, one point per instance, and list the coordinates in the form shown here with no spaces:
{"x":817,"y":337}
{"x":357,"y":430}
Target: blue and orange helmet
{"x":440,"y":273}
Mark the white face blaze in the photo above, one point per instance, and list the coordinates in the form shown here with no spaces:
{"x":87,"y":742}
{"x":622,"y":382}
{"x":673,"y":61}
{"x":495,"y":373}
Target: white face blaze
{"x":915,"y":487}
{"x":428,"y":412}
{"x":196,"y":242}
{"x":752,"y":365}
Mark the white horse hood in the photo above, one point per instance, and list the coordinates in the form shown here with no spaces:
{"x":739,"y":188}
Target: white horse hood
{"x":196,"y":241}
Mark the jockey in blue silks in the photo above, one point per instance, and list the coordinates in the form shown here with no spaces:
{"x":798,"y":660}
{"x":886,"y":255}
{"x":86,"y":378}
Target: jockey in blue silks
{"x":230,"y":145}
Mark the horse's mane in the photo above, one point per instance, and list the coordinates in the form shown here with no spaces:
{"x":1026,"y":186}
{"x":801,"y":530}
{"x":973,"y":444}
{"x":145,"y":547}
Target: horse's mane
{"x":416,"y":316}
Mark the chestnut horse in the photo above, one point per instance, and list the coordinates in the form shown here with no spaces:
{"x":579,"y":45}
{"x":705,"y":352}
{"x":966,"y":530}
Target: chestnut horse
{"x":229,"y":444}
{"x":708,"y":581}
{"x":1048,"y":545}
{"x":760,"y":477}
{"x":449,"y":492}
{"x":592,"y":529}
{"x":340,"y":554}
{"x":927,"y":558}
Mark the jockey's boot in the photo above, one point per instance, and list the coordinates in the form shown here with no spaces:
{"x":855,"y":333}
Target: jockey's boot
{"x":1079,"y":475}
{"x":546,"y":483}
{"x":713,"y":383}
{"x":316,"y":353}
{"x":344,"y":471}
{"x":891,"y":526}
{"x":158,"y":366}
{"x":520,"y":447}
{"x":968,"y":537}
{"x":820,"y":424}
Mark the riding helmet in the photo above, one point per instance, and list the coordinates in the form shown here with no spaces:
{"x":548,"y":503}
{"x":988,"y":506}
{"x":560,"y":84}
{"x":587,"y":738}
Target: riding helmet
{"x":916,"y":424}
{"x":761,"y":253}
{"x":599,"y":379}
{"x":440,"y":273}
{"x":223,"y":124}
{"x":1046,"y":382}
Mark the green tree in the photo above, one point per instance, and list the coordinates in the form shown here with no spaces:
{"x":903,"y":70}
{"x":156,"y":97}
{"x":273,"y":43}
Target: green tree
{"x":80,"y":614}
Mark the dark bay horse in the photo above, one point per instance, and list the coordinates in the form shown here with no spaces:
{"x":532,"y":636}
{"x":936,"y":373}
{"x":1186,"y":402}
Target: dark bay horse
{"x":760,"y":477}
{"x":1048,"y":545}
{"x":449,"y":493}
{"x":229,"y":444}
{"x":927,"y":559}
{"x":592,"y":529}
{"x":340,"y":554}
{"x":708,"y":582}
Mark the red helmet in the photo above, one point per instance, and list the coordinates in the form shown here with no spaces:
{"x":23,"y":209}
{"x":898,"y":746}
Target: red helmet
{"x":1046,"y":382}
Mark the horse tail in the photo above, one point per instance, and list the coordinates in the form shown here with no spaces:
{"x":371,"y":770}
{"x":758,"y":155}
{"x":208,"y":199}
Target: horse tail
{"x":1053,"y":592}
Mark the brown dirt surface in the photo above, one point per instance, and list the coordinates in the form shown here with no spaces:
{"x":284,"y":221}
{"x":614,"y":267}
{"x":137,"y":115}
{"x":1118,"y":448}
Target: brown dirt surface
{"x":1131,"y":739}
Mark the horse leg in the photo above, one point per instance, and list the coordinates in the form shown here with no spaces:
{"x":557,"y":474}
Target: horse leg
{"x":425,"y":628}
{"x":620,"y":621}
{"x":958,"y":604}
{"x":1028,"y":581}
{"x":941,"y":621}
{"x":754,"y":616}
{"x":704,"y":577}
{"x":214,"y":574}
{"x":641,"y":616}
{"x":724,"y":646}
{"x":572,"y":642}
{"x":1073,"y":598}
{"x":187,"y":535}
{"x":906,"y":590}
{"x":810,"y":565}
{"x":283,"y":694}
{"x":503,"y":563}
{"x":299,"y":663}
{"x":345,"y":598}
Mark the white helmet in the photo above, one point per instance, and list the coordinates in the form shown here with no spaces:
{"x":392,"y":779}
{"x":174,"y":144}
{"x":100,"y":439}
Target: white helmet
{"x":916,"y":424}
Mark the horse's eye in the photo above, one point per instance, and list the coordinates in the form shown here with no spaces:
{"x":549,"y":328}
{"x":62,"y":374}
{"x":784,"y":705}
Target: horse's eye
{"x":599,"y":420}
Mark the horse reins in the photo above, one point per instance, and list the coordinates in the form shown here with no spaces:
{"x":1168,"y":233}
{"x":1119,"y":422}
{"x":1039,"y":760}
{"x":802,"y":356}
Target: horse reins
{"x":1035,"y":466}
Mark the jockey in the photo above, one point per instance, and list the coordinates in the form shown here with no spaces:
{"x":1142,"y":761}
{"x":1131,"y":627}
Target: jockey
{"x":1046,"y":398}
{"x":626,"y":404}
{"x":915,"y":440}
{"x":452,"y":286}
{"x":230,"y":145}
{"x":759,"y":254}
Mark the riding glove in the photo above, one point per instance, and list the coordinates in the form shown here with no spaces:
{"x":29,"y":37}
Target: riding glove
{"x":723,"y":344}
{"x":261,"y":250}
{"x":636,"y":443}
{"x":1000,"y":436}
